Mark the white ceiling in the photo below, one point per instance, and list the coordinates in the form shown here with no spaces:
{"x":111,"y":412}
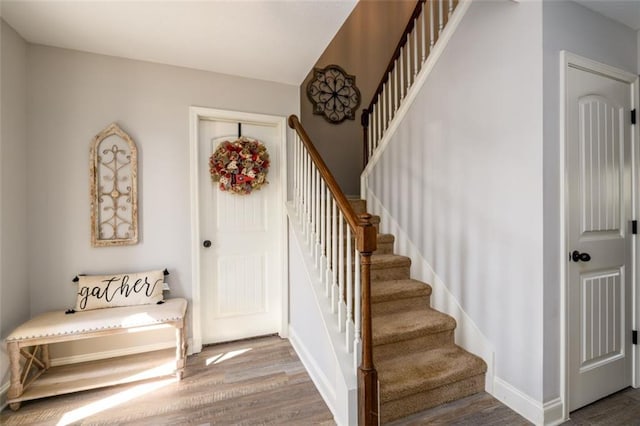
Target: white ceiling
{"x":275,"y":40}
{"x":625,"y":11}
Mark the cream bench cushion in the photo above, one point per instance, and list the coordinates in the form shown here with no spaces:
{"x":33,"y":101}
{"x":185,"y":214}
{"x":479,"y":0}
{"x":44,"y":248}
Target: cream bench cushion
{"x":58,"y":324}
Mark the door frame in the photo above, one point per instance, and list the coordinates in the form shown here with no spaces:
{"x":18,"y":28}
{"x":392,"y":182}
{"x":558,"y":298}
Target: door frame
{"x":568,"y":59}
{"x":197,"y":114}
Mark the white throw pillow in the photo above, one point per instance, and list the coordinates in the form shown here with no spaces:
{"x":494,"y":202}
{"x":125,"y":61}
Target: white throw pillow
{"x":108,"y":291}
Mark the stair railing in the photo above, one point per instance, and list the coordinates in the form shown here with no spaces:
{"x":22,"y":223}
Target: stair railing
{"x":418,"y":40}
{"x":323,"y":211}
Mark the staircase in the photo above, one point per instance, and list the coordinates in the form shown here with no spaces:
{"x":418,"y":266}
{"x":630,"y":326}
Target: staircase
{"x":419,"y":365}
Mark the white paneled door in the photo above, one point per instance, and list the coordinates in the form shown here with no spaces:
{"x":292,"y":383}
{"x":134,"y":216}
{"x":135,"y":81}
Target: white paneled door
{"x":241,"y":243}
{"x":599,"y":292}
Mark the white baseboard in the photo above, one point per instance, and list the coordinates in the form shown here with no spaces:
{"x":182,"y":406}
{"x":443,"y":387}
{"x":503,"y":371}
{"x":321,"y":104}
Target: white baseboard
{"x":518,"y":401}
{"x":93,"y":356}
{"x":467,"y":333}
{"x":547,"y":414}
{"x":553,"y":412}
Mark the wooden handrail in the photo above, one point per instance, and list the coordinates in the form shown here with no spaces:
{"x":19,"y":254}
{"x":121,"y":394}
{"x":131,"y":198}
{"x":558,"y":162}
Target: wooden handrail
{"x":341,"y":199}
{"x":366,"y":242}
{"x":396,"y":53}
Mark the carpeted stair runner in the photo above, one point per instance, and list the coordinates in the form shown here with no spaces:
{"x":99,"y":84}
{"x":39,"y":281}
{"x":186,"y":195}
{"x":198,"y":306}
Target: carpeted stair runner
{"x":419,"y":365}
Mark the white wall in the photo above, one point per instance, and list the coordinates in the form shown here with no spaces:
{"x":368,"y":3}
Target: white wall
{"x":72,"y":97}
{"x":14,"y":288}
{"x":313,"y":332}
{"x":463,"y":178}
{"x":569,"y":26}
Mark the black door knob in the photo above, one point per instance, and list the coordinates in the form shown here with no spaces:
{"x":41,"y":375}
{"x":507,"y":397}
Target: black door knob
{"x":576,"y":256}
{"x":206,"y":243}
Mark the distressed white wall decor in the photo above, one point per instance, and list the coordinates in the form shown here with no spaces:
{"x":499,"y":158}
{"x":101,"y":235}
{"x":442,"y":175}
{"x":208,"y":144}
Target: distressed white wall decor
{"x":114,"y":196}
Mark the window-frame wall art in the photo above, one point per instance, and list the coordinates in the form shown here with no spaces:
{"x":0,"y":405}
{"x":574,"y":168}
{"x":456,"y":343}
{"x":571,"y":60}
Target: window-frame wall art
{"x":113,"y":170}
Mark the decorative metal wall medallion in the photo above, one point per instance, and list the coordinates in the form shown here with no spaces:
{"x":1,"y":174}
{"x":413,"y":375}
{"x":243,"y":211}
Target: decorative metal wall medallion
{"x":113,"y":165}
{"x":333,"y":94}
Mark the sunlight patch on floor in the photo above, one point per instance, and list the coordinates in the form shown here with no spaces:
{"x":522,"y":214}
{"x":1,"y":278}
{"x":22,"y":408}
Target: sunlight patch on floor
{"x":217,"y":359}
{"x":111,"y":401}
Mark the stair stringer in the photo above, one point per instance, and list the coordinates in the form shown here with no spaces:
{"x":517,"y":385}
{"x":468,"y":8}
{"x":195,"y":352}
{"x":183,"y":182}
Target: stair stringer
{"x":316,"y":339}
{"x":467,"y":334}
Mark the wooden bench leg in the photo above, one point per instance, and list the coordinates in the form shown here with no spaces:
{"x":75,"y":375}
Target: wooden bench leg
{"x":181,"y":347}
{"x":45,"y":357}
{"x":15,"y":387}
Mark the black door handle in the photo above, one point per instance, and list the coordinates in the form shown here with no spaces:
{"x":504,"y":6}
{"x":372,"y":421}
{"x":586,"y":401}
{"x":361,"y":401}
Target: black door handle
{"x":576,"y":256}
{"x":206,"y":243}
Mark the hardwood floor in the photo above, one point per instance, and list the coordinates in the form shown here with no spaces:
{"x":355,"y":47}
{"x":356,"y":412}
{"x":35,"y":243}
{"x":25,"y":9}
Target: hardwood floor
{"x":621,"y":408}
{"x":262,"y":381}
{"x":258,"y":381}
{"x":478,"y":409}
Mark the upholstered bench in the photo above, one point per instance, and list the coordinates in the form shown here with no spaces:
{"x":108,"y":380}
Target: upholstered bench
{"x":34,"y":377}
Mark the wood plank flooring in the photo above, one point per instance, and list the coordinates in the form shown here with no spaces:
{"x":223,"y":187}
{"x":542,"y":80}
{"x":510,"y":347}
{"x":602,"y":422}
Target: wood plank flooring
{"x":262,"y":382}
{"x":258,"y":381}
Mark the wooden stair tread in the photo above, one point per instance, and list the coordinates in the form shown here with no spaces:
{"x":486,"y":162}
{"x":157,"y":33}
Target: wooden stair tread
{"x":384,"y":261}
{"x":399,"y":326}
{"x":385,"y":291}
{"x":419,"y":372}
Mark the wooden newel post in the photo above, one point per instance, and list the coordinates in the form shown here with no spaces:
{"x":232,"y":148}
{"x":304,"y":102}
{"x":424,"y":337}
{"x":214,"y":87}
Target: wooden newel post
{"x":367,"y":374}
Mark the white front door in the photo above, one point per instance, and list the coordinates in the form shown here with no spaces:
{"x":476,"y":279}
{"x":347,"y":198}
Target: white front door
{"x":241,"y":276}
{"x":599,"y":190}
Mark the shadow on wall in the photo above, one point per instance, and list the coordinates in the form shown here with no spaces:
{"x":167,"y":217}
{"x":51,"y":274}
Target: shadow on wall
{"x":362,"y":47}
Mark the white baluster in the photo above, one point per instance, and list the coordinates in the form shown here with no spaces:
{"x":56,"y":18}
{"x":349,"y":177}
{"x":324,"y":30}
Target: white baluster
{"x":423,"y":20}
{"x":408,"y":51}
{"x":349,"y":326}
{"x":432,"y":25}
{"x":298,"y":176}
{"x":308,"y":200}
{"x":401,"y":60}
{"x":334,"y":257}
{"x":415,"y":49}
{"x":342,"y":308}
{"x":370,"y":135}
{"x":395,"y":92}
{"x":301,"y":177}
{"x":384,"y":109}
{"x":450,"y":8}
{"x":317,"y":198}
{"x":379,"y":121}
{"x":294,"y":199}
{"x":389,"y":100}
{"x":323,"y":230}
{"x":357,"y":312}
{"x":440,"y":16}
{"x":329,"y":246}
{"x":312,"y":205}
{"x":304,"y":197}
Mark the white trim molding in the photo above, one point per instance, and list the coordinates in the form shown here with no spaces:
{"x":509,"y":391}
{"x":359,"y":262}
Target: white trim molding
{"x":197,"y":114}
{"x":568,"y":59}
{"x":547,"y":414}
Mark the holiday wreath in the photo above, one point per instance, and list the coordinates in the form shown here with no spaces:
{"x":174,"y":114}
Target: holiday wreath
{"x":240,"y":166}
